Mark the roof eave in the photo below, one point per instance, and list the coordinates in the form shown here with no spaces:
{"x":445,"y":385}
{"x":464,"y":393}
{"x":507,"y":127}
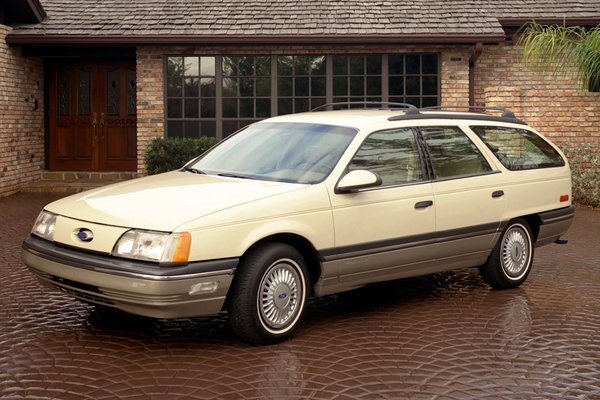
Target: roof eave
{"x":33,"y":39}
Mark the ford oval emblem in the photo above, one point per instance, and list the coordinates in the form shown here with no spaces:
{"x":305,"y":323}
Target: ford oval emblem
{"x":85,"y":235}
{"x":282,"y":295}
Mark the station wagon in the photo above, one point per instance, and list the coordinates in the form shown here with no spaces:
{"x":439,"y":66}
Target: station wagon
{"x":310,"y":205}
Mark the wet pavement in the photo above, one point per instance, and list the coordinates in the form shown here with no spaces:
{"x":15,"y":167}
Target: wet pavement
{"x":444,"y":336}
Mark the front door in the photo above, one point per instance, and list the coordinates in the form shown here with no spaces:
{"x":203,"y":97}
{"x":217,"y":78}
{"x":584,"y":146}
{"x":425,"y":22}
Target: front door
{"x":389,"y":231}
{"x":92,"y":116}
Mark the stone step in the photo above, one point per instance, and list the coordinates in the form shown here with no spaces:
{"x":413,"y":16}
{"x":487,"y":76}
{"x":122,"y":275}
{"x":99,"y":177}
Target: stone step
{"x":74,"y":181}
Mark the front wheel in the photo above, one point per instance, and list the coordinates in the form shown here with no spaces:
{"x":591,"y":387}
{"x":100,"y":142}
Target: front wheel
{"x":269,"y":294}
{"x":510,"y":261}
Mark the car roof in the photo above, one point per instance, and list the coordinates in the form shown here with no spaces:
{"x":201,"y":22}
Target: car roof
{"x":357,"y":118}
{"x":360,"y":118}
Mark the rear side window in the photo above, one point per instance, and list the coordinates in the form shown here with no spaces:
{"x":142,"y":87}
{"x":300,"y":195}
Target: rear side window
{"x":452,"y":153}
{"x":519,"y":149}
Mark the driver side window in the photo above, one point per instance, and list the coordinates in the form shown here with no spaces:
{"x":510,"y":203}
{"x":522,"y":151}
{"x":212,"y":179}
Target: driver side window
{"x":393,"y":155}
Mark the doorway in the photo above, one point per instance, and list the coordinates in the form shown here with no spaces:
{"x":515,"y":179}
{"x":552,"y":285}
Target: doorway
{"x":92,"y":116}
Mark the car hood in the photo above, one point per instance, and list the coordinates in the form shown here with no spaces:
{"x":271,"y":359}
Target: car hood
{"x":164,"y":202}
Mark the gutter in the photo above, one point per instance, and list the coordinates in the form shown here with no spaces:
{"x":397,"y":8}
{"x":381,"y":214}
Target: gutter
{"x":477,"y":50}
{"x":41,"y":39}
{"x":519,"y":22}
{"x":37,"y":9}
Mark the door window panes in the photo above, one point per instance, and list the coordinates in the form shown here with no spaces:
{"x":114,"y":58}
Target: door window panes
{"x":131,"y":93}
{"x":63,"y":92}
{"x":83,"y":92}
{"x":113,"y":89}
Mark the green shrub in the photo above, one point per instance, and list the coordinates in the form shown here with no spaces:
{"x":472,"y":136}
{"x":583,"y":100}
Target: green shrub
{"x":584,"y":159}
{"x":167,"y":154}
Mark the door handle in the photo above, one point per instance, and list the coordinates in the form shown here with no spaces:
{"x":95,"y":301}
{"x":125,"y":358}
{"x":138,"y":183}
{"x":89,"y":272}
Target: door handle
{"x":94,"y":123}
{"x":498,"y":193}
{"x":424,"y":204}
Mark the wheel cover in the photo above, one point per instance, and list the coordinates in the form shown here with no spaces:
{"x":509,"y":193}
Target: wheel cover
{"x":516,"y":252}
{"x":281,"y":294}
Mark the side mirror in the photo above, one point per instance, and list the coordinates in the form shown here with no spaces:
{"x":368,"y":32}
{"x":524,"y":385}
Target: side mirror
{"x":357,"y":179}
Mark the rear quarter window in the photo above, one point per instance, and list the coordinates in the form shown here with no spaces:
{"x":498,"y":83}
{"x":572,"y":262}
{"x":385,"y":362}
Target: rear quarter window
{"x":519,"y":149}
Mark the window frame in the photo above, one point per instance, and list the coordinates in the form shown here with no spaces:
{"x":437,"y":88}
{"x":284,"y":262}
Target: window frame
{"x":311,"y":75}
{"x":274,"y":97}
{"x":428,"y":157}
{"x":349,"y":77}
{"x":239,"y":98}
{"x":517,"y":129}
{"x":426,"y":178}
{"x":182,"y":97}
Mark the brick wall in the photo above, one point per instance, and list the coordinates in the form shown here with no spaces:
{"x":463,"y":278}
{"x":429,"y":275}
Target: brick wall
{"x":556,"y":106}
{"x":455,"y":76}
{"x":21,"y":126}
{"x":150,"y":76}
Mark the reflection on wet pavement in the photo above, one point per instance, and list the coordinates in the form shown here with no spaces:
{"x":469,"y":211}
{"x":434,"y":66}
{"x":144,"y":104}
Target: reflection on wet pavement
{"x":444,"y":336}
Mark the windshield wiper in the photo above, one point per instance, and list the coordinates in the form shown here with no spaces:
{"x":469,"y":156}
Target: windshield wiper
{"x":234,"y":175}
{"x":193,"y":170}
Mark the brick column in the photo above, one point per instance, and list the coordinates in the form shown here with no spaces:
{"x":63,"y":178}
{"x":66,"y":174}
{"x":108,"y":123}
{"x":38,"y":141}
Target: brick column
{"x":455,"y":77}
{"x":150,"y":100}
{"x":22,"y":111}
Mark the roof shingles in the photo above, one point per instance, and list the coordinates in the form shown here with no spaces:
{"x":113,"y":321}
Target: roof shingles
{"x":272,"y":18}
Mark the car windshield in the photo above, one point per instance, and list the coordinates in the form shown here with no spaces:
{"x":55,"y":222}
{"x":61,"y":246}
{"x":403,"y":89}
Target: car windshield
{"x":279,"y":151}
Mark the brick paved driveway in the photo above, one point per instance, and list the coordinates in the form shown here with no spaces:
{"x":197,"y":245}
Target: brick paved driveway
{"x":446,"y":336}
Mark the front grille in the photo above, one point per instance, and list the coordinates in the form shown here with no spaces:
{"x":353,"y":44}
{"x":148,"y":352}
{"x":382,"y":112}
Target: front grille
{"x":84,"y":296}
{"x":74,"y":285}
{"x":78,"y":290}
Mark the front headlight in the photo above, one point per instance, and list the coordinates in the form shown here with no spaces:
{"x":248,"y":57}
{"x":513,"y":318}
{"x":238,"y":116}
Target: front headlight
{"x":161,"y":247}
{"x":44,"y":225}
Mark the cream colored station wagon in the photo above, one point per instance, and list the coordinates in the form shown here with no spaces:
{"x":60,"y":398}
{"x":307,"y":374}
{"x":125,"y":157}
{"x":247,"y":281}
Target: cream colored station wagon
{"x":309,"y":205}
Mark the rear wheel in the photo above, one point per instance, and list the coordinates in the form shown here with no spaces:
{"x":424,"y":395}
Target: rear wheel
{"x":269,"y":295}
{"x":510,"y":261}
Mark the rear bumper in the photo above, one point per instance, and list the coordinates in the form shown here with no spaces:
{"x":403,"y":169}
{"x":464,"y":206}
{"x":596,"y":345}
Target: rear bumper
{"x":553,"y":224}
{"x":196,"y":289}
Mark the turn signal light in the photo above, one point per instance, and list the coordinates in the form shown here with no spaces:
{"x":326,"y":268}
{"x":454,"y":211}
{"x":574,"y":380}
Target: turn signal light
{"x":182,"y":250}
{"x":564,"y":197}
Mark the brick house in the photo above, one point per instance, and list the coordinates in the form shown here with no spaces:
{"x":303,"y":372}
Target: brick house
{"x":86,"y":84}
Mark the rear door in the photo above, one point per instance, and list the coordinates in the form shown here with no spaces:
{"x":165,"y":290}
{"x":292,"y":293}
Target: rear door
{"x":468,"y":196}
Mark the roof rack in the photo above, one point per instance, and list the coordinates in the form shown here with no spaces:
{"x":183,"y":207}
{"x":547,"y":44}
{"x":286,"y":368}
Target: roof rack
{"x":410,"y":109}
{"x":506,"y":113}
{"x":412,"y":112}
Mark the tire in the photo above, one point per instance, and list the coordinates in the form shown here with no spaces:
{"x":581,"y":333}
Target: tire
{"x":510,"y":261}
{"x":269,"y":294}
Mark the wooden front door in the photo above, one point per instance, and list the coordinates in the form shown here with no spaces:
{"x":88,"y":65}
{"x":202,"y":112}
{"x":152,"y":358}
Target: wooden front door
{"x":92,"y":116}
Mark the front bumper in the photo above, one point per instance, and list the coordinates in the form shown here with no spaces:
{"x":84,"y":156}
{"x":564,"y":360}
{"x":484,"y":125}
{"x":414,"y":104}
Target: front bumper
{"x":196,"y":289}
